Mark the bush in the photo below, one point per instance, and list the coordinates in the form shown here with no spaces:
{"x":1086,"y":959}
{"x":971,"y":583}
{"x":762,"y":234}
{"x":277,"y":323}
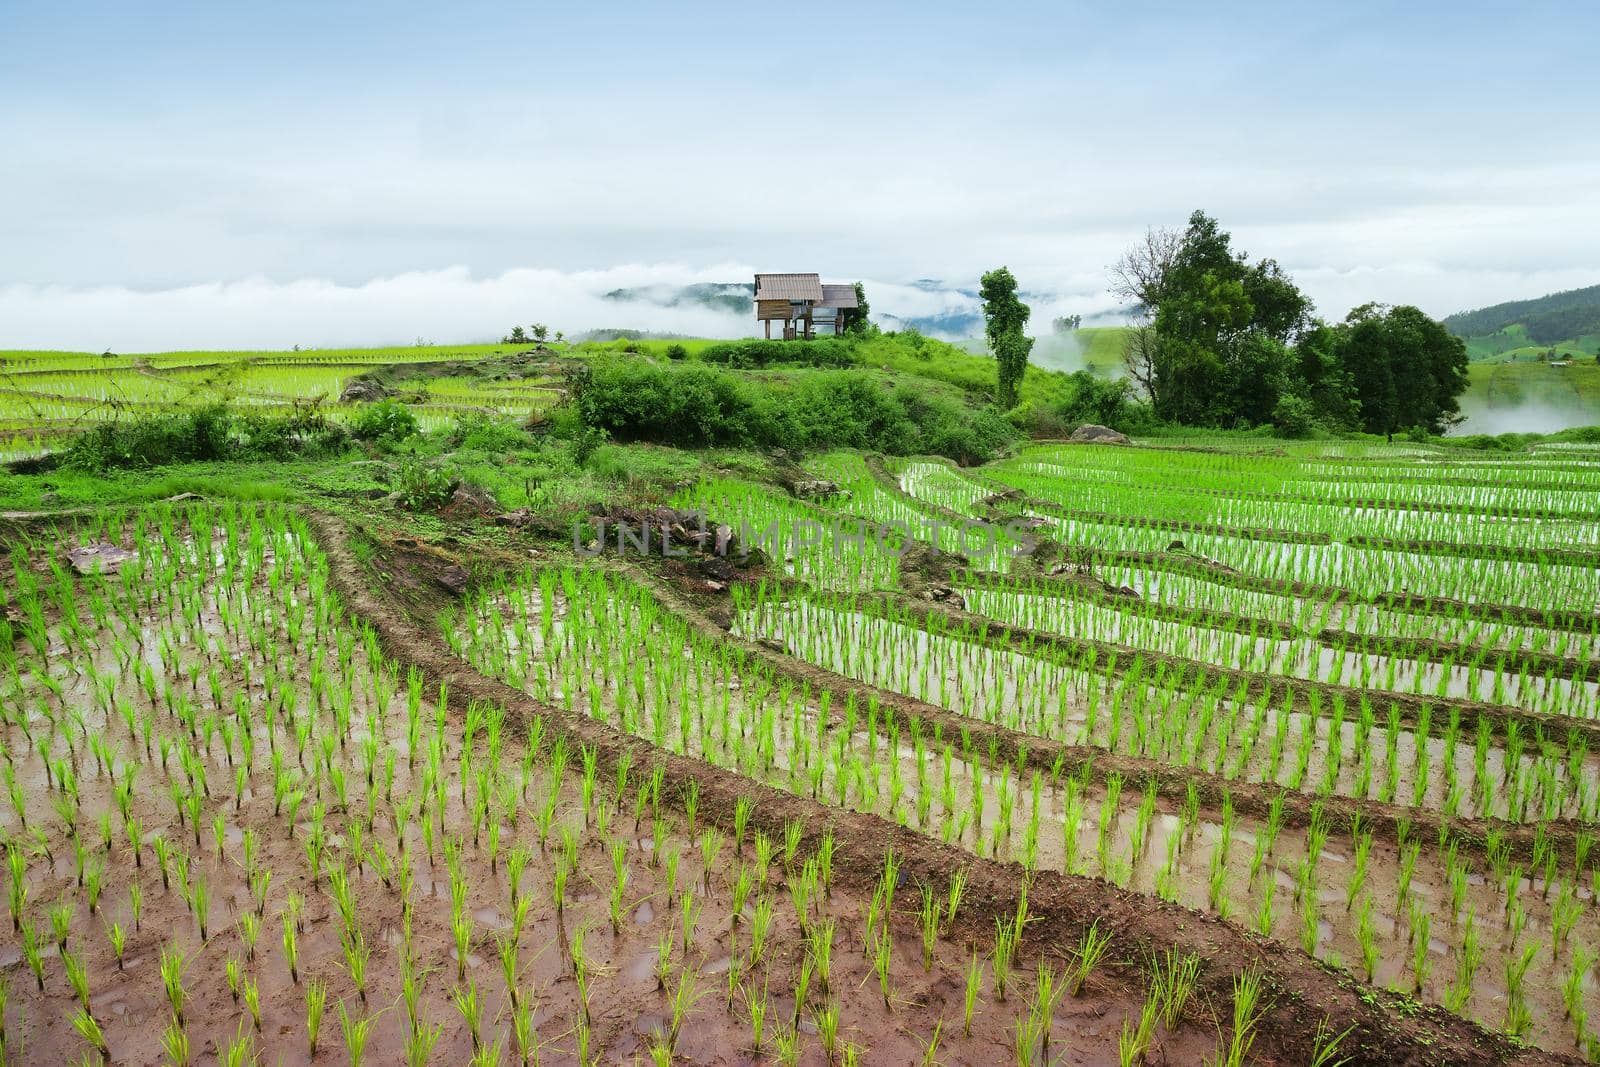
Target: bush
{"x":698,"y":406}
{"x":421,"y":487}
{"x":212,"y":432}
{"x":1294,"y":416}
{"x":823,"y":352}
{"x":1103,"y":401}
{"x":482,"y":433}
{"x":385,"y":420}
{"x":677,"y":351}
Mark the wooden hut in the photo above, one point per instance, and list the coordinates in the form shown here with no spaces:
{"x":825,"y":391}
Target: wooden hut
{"x":802,"y":303}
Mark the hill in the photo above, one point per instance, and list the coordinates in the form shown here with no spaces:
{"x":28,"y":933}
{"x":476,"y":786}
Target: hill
{"x":1562,"y":325}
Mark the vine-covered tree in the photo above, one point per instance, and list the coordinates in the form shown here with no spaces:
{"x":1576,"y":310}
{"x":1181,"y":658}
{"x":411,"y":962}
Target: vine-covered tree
{"x":1004,"y":317}
{"x":858,"y":321}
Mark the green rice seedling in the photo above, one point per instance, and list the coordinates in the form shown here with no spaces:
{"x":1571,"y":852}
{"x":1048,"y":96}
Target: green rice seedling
{"x":175,"y":1043}
{"x":32,"y":954}
{"x":470,"y":1008}
{"x":235,"y":975}
{"x":684,"y":998}
{"x":1176,"y":980}
{"x":1325,"y":1046}
{"x":89,"y":1029}
{"x":316,"y":1003}
{"x":357,"y":1032}
{"x":356,"y":954}
{"x":689,"y":917}
{"x":881,"y":964}
{"x":1248,"y":989}
{"x":760,"y":929}
{"x":826,"y":1019}
{"x":1091,"y":950}
{"x":77,"y":978}
{"x":970,"y":994}
{"x":958,"y":884}
{"x":249,"y":931}
{"x":61,"y":924}
{"x":172,"y":980}
{"x":756,"y":1006}
{"x":291,"y":951}
{"x":119,"y":941}
{"x":252,"y":1000}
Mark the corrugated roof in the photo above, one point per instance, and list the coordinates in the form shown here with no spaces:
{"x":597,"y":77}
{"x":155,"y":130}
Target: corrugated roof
{"x":838,"y":296}
{"x":789,"y":287}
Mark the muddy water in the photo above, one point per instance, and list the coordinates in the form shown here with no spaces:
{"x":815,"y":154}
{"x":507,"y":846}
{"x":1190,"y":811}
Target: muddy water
{"x":1303,"y":657}
{"x":1253,"y":740}
{"x":263,"y":671}
{"x":1191,"y":592}
{"x":937,"y":788}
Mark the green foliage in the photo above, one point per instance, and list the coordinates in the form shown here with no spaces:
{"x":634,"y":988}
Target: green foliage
{"x":822,"y":352}
{"x":1099,"y":400}
{"x":677,"y":351}
{"x":699,"y":406}
{"x":485,"y":433}
{"x":1294,"y":416}
{"x":858,"y":320}
{"x":421,"y":486}
{"x":385,"y":420}
{"x":1544,"y":320}
{"x":1406,"y":368}
{"x":211,"y":432}
{"x":1004,"y":318}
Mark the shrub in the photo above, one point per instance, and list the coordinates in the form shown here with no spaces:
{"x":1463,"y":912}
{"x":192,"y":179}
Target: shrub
{"x":385,"y":420}
{"x":1098,"y":400}
{"x":212,"y":432}
{"x":695,"y":405}
{"x":677,"y":351}
{"x":1294,"y":416}
{"x":822,"y":352}
{"x":485,"y":434}
{"x":422,"y":487}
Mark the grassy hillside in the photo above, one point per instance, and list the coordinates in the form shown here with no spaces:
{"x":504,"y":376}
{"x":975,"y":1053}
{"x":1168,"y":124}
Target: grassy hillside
{"x":1527,"y":397}
{"x":1544,"y":321}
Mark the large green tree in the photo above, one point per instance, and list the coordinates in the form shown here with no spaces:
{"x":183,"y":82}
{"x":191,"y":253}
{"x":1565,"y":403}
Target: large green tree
{"x":1004,"y":318}
{"x":1221,"y":325}
{"x":1406,"y":369}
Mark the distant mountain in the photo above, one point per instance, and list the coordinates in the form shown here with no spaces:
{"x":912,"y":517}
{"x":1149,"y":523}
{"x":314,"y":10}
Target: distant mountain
{"x":734,"y":297}
{"x":1566,"y":323}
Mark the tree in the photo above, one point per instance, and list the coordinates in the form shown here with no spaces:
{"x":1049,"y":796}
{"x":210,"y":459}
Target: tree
{"x":858,"y":321}
{"x":540,"y":331}
{"x":1140,"y":275}
{"x":516,"y":337}
{"x":1408,"y":370}
{"x":1004,"y":316}
{"x":1066,"y":323}
{"x":1220,"y":327}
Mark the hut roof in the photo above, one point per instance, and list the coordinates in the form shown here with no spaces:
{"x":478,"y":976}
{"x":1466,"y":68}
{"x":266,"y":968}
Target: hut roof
{"x":789,"y":287}
{"x":838,"y":296}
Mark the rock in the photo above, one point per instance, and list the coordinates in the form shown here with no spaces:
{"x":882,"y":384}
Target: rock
{"x":1094,"y":433}
{"x":718,"y":569}
{"x":815,"y":489}
{"x":468,"y":499}
{"x":183,"y":498}
{"x":100,"y":556}
{"x":518,"y":519}
{"x":994,"y":499}
{"x":454,"y":578}
{"x":945,"y":595}
{"x":773,"y":645}
{"x":362,"y":391}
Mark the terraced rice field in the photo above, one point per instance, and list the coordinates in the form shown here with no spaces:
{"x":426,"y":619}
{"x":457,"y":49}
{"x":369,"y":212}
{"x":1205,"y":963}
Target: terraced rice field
{"x":1097,"y":755}
{"x":47,"y":395}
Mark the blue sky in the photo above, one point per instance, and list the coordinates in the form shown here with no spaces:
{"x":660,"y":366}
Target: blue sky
{"x":170,"y":164}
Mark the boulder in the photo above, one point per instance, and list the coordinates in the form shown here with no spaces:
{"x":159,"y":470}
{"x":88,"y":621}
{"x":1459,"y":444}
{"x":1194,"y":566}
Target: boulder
{"x":469,"y":499}
{"x":100,"y":556}
{"x":1093,"y":433}
{"x":362,"y":391}
{"x":454,"y":578}
{"x":815,"y":489}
